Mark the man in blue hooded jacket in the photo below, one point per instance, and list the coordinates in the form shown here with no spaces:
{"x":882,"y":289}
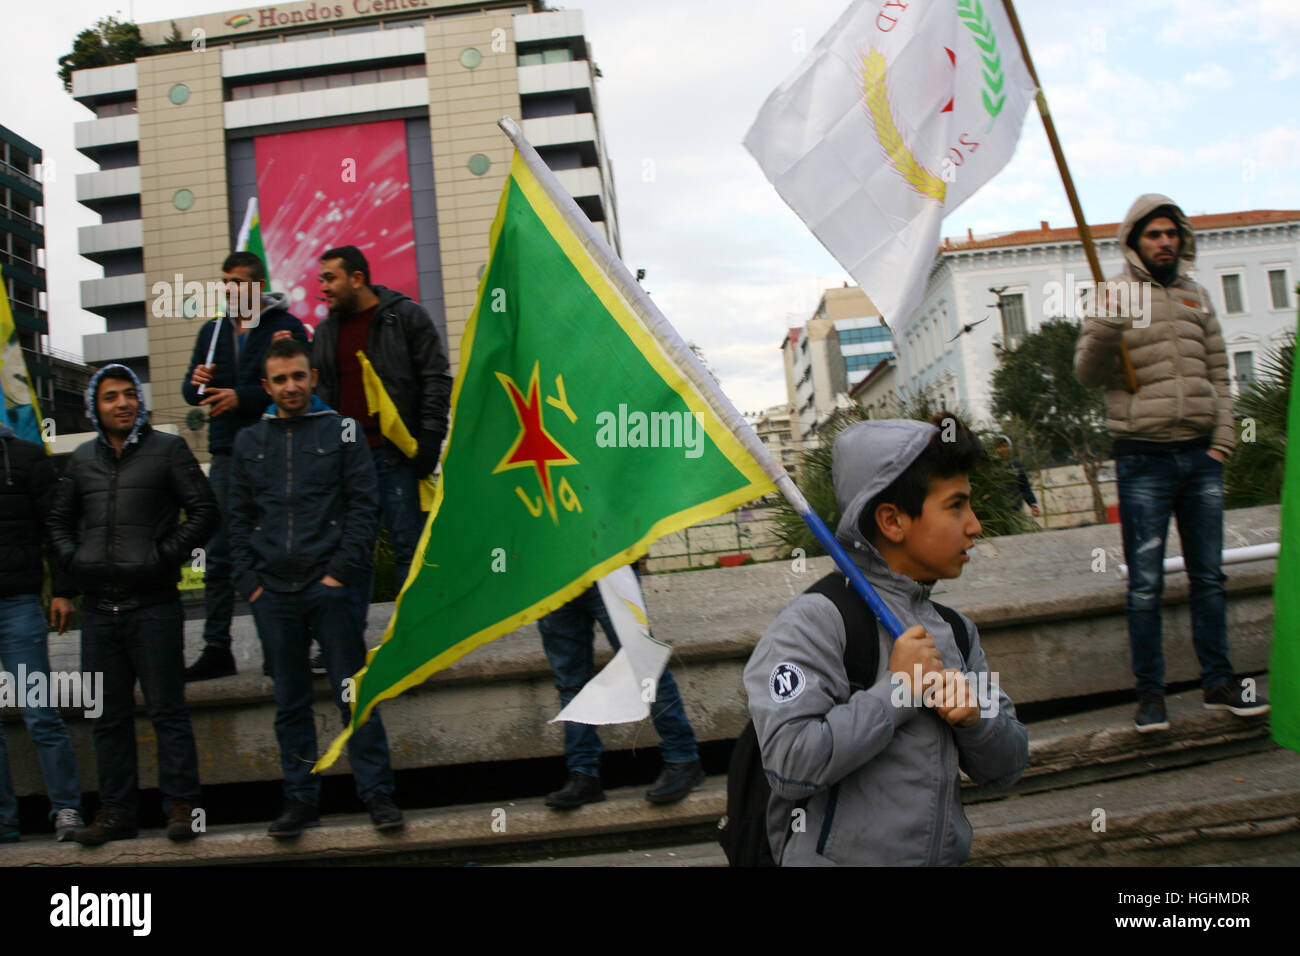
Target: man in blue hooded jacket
{"x":115,"y":528}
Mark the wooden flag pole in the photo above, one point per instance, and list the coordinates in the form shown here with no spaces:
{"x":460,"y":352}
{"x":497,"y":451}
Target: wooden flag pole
{"x":1085,"y":234}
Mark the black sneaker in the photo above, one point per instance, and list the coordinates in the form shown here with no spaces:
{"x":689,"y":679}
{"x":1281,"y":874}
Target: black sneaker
{"x":1231,"y":697}
{"x":296,"y":817}
{"x":675,"y":781}
{"x":1151,"y":713}
{"x":384,"y":812}
{"x":107,"y":826}
{"x":213,"y":662}
{"x":580,"y":788}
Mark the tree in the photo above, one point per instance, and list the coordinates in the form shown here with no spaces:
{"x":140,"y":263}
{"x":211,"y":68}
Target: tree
{"x":110,"y":41}
{"x":1253,"y":473}
{"x":1035,"y":390}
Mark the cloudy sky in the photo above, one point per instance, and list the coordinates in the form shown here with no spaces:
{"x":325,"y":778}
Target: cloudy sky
{"x":1199,"y":99}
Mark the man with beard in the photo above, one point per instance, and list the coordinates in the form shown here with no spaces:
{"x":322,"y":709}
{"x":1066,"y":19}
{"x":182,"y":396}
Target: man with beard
{"x":402,"y":343}
{"x":1171,"y":438}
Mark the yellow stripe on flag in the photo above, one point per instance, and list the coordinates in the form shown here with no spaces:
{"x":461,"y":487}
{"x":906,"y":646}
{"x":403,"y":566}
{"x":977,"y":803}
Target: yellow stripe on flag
{"x":391,"y":425}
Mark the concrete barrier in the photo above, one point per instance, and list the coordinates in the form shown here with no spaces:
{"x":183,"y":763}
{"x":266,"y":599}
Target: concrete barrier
{"x":1050,"y":608}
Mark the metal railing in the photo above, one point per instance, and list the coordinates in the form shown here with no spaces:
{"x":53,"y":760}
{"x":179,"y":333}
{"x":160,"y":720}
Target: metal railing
{"x":19,"y":175}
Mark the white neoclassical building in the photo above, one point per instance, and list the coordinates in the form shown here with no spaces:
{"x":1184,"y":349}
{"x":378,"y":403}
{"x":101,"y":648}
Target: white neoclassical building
{"x":1248,"y":261}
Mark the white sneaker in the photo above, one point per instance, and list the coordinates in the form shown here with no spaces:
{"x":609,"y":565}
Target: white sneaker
{"x":67,"y":822}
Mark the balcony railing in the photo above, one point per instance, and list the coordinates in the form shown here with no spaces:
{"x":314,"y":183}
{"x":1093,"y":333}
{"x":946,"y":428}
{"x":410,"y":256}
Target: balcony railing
{"x":19,"y":175}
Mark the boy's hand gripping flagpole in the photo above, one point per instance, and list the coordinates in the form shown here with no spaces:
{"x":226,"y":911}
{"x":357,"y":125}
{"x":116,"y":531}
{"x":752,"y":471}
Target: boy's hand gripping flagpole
{"x":691,"y":369}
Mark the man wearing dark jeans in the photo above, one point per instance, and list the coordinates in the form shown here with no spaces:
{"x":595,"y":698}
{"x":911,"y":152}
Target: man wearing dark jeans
{"x":115,"y":527}
{"x":568,"y":637}
{"x":227,"y":378}
{"x":1171,"y":438}
{"x":400,"y":340}
{"x":302,"y":537}
{"x":27,"y":482}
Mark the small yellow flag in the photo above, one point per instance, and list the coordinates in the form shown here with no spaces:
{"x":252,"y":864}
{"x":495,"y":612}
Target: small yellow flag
{"x":391,"y":425}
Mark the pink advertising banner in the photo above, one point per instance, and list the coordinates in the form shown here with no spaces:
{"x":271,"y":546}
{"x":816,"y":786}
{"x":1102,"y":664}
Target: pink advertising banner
{"x":345,"y":185}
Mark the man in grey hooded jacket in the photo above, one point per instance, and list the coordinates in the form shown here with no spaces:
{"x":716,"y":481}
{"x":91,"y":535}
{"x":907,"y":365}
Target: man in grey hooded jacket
{"x":874,"y":772}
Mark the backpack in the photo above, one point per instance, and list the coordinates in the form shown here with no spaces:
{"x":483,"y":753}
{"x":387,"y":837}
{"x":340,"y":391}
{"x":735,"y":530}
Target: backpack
{"x":743,"y":831}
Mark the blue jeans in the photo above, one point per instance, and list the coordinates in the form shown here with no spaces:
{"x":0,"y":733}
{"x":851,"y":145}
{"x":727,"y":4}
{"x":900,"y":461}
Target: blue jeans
{"x":1188,"y":485}
{"x":146,"y":644}
{"x":218,"y":592}
{"x":399,"y":509}
{"x":23,"y":644}
{"x":283,"y":619}
{"x":569,"y":636}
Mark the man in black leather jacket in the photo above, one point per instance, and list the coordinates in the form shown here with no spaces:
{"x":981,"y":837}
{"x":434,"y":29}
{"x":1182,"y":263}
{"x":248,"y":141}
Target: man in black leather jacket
{"x":403,"y":345}
{"x":302,"y":536}
{"x":114,"y":527}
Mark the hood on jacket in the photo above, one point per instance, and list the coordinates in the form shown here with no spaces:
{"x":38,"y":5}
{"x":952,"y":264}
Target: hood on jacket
{"x":142,"y":416}
{"x":867,"y":457}
{"x":317,"y":407}
{"x":1141,"y":210}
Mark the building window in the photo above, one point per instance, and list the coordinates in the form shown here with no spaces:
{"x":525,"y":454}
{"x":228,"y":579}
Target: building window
{"x":1013,"y":320}
{"x":1243,"y":364}
{"x":1232,"y":294}
{"x":854,"y":362}
{"x":1277,"y":288}
{"x":560,"y":54}
{"x":876,"y":333}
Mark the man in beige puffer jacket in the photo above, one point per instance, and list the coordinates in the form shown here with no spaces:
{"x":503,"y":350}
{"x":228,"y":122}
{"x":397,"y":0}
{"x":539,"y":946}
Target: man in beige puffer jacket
{"x":1171,"y":438}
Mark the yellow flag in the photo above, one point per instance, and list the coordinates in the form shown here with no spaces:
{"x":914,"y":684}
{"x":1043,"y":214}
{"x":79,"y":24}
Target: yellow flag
{"x":391,"y":425}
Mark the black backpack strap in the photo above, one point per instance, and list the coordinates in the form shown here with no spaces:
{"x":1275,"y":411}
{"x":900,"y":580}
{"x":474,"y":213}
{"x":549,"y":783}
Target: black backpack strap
{"x":861,"y":642}
{"x":959,"y":631}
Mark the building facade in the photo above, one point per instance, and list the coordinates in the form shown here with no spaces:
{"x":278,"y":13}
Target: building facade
{"x":985,"y":294}
{"x":843,"y":341}
{"x":58,"y":381}
{"x":370,"y":123}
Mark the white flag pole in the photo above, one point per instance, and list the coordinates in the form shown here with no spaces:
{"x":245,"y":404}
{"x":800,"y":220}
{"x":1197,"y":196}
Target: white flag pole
{"x":691,"y":368}
{"x":212,"y":348}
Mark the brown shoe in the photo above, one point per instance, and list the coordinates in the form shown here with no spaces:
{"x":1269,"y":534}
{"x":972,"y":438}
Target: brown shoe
{"x":106,"y":826}
{"x":180,"y":823}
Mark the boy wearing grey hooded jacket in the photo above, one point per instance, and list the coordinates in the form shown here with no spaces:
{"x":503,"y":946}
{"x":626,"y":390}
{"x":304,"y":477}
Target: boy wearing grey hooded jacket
{"x":874,"y":772}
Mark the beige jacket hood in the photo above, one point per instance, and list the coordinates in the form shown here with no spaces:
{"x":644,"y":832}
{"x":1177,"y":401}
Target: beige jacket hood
{"x":1177,"y":350}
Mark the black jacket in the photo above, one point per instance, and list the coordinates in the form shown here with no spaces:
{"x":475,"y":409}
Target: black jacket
{"x":243,"y":374}
{"x":27,"y":483}
{"x":303,"y":502}
{"x":406,"y":350}
{"x":115,"y":522}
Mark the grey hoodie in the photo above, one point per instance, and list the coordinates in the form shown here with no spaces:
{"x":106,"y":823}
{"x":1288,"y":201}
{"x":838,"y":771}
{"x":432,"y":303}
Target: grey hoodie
{"x":879,"y":783}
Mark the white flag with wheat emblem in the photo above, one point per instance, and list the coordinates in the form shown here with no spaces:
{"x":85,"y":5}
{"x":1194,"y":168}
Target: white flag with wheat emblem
{"x":901,"y":112}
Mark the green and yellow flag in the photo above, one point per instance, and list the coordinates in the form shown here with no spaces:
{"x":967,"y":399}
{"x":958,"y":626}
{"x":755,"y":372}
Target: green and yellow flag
{"x":20,"y":409}
{"x":1284,"y":668}
{"x":575,"y":441}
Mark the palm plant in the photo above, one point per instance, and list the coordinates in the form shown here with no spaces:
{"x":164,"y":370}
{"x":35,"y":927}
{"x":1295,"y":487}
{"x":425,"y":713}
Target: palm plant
{"x":1253,"y":473}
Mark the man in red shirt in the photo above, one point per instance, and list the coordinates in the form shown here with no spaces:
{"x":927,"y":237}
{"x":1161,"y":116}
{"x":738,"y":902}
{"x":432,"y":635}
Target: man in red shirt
{"x":402,"y":342}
